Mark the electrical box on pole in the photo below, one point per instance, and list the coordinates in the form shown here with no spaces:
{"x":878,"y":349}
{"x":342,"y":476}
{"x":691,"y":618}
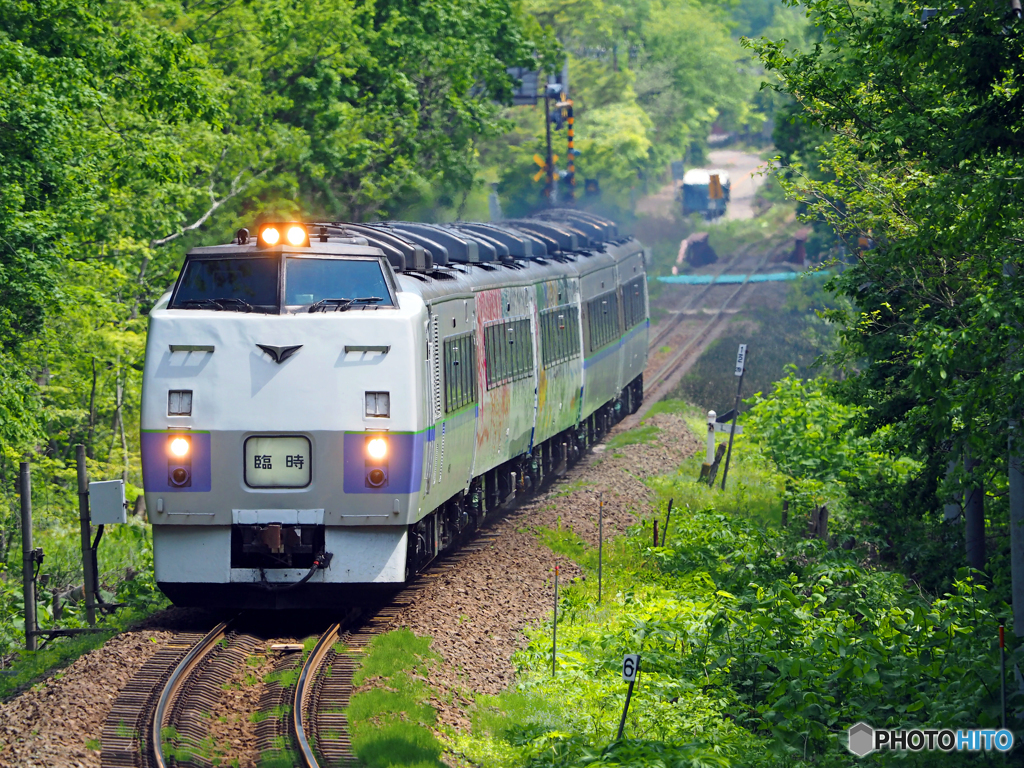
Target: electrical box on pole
{"x":107,"y":503}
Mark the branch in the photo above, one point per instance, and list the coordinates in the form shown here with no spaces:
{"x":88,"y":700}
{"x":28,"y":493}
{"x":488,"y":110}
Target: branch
{"x":236,"y":189}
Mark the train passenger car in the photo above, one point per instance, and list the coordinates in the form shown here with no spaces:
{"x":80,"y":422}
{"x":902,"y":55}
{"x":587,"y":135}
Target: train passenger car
{"x":330,"y":406}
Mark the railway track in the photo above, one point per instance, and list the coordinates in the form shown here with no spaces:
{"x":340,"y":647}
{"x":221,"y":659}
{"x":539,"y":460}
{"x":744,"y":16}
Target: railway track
{"x":678,"y":315}
{"x":161,"y":719}
{"x":662,"y":378}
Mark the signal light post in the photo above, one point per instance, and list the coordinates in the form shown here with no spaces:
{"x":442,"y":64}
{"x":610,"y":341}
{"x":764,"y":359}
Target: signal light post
{"x":571,"y":177}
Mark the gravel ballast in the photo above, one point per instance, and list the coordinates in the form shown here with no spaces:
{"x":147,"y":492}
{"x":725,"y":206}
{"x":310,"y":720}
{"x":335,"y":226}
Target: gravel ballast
{"x":475,"y":614}
{"x":58,"y":722}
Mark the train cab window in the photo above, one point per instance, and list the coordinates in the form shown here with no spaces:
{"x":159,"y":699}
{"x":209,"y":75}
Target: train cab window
{"x":459,"y":371}
{"x":337,"y":283}
{"x":239,"y":284}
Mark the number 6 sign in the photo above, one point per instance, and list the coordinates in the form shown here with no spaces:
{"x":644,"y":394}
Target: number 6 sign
{"x":630,"y":666}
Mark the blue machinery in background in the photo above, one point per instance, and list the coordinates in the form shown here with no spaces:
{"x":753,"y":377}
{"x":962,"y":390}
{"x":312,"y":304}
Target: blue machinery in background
{"x":770,"y":277}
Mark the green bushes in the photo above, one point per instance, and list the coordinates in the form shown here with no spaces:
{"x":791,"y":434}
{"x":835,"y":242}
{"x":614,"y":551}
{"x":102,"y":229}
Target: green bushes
{"x":760,"y":647}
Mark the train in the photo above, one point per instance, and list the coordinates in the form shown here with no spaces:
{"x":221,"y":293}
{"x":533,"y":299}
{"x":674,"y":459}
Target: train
{"x":329,"y":406}
{"x":706,"y":192}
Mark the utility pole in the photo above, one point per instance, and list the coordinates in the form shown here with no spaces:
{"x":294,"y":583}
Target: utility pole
{"x":28,"y":556}
{"x":549,"y":164}
{"x":1016,"y":483}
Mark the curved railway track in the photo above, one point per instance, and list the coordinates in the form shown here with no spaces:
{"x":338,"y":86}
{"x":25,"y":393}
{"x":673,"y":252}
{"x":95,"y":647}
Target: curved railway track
{"x":161,"y":718}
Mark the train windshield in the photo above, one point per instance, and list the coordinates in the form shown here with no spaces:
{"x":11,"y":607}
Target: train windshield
{"x":335,"y":283}
{"x":231,"y":284}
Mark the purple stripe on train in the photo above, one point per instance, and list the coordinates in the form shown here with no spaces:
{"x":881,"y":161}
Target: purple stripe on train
{"x":403,"y":466}
{"x":158,"y":464}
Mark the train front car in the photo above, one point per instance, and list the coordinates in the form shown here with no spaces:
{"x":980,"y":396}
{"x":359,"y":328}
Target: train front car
{"x":279,"y":420}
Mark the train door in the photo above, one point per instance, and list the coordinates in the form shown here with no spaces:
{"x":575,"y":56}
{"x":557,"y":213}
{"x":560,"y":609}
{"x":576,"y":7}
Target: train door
{"x":432,"y":460}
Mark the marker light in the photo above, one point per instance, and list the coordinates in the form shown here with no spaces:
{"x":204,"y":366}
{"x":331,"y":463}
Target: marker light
{"x":377,"y":448}
{"x":179,"y":447}
{"x":270,"y":236}
{"x":296,"y":235}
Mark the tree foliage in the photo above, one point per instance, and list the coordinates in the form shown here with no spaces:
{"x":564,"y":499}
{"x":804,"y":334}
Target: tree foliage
{"x":926,"y":163}
{"x":648,"y":81}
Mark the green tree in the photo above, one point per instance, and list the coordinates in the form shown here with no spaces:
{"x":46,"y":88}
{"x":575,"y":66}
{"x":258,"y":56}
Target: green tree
{"x":921,"y":177}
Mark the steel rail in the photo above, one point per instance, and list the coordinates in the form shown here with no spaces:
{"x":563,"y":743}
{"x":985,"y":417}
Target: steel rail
{"x":308,"y":673}
{"x":174,"y":683}
{"x":718,"y":315}
{"x":681,"y":313}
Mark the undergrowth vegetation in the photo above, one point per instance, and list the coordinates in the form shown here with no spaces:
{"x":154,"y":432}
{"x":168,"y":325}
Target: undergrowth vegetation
{"x":760,"y":645}
{"x":125,"y":558}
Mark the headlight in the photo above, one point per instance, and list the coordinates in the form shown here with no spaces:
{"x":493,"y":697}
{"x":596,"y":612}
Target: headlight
{"x":296,"y":235}
{"x":270,"y":236}
{"x":180,"y":447}
{"x":377,"y":448}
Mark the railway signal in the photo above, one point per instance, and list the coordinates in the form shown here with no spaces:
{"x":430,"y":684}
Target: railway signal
{"x":543,"y":166}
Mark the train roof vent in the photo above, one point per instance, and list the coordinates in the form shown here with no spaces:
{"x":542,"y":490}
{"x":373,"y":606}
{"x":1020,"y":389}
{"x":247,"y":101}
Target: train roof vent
{"x":543,"y":244}
{"x":598,"y":230}
{"x":517,"y":245}
{"x":610,"y":227}
{"x":337,"y":232}
{"x":459,"y":248}
{"x":438,"y":253}
{"x":486,"y":240}
{"x":566,"y":239}
{"x":487,"y":249}
{"x":401,"y":254}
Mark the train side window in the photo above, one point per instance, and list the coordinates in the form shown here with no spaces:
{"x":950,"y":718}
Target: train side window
{"x":459,"y":371}
{"x":633,"y":305}
{"x":603,"y":317}
{"x":561,"y":339}
{"x":508,"y":351}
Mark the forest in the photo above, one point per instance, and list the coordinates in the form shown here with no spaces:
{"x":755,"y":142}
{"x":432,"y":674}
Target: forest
{"x":132,"y":131}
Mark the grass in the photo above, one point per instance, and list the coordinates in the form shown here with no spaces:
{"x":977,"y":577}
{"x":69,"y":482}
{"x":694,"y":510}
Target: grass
{"x":30,"y":667}
{"x":729,"y":236}
{"x":643,"y":434}
{"x":391,"y":720}
{"x":545,"y":718}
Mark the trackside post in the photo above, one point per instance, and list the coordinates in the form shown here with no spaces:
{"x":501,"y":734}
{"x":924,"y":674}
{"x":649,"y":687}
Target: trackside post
{"x":600,"y":541}
{"x":741,"y":365}
{"x":28,"y":556}
{"x":554,"y":627}
{"x":630,"y":672}
{"x":88,"y":569}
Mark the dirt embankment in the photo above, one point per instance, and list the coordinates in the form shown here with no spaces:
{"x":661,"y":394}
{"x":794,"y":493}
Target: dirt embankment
{"x":474,"y":614}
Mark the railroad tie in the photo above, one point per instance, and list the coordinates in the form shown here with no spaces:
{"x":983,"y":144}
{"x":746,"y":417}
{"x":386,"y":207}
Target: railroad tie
{"x":123,"y":737}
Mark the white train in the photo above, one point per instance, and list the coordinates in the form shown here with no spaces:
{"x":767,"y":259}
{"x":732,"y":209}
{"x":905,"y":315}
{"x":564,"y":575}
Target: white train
{"x":331,"y":405}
